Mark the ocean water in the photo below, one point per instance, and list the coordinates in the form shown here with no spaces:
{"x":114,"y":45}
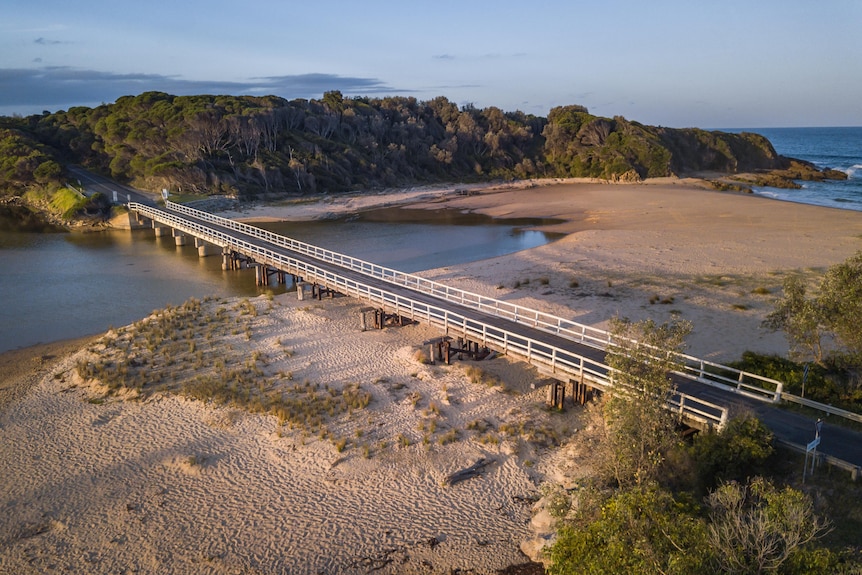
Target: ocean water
{"x":837,"y":148}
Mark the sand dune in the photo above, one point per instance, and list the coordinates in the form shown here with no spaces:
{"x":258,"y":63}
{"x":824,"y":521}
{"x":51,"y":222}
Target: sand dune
{"x":171,"y":485}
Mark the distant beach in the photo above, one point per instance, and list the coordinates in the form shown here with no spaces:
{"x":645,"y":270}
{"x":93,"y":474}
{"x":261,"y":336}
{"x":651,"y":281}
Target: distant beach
{"x":172,"y":485}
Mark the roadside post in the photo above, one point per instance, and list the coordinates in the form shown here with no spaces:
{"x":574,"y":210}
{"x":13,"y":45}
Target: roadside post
{"x":811,"y":450}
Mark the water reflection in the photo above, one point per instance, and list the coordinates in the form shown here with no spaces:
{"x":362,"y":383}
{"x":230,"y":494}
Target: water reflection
{"x":411,"y":240}
{"x":58,"y":286}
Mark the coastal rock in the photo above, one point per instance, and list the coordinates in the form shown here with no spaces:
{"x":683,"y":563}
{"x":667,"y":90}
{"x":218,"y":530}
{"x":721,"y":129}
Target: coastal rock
{"x":831,"y":174}
{"x":806,"y":171}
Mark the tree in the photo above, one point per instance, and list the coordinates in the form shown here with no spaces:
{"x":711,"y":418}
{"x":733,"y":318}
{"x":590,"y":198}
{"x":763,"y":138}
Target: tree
{"x":799,"y":317}
{"x":639,"y":428}
{"x":755,"y":528}
{"x":334,"y":102}
{"x":736,"y":453}
{"x":834,"y":313}
{"x":643,"y":530}
{"x":47,"y":172}
{"x":841,"y":301}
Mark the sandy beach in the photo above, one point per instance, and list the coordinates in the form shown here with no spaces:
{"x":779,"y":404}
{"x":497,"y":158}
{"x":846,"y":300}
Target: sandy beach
{"x":662,"y":249}
{"x":162,"y":483}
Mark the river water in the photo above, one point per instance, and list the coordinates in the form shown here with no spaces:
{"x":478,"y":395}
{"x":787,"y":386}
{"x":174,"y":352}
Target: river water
{"x":61,"y":285}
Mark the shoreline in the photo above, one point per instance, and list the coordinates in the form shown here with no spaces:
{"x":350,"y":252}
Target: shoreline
{"x":492,"y":200}
{"x":662,"y":250}
{"x":21,"y":369}
{"x":338,"y":205}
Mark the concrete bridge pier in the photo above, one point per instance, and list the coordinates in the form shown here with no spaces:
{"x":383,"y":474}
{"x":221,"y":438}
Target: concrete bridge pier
{"x":205,"y":249}
{"x":160,"y":231}
{"x":230,"y":260}
{"x":303,"y":288}
{"x":179,"y":237}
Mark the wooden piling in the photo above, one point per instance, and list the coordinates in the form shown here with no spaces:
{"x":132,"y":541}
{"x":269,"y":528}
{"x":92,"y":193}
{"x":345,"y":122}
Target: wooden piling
{"x":556,"y":395}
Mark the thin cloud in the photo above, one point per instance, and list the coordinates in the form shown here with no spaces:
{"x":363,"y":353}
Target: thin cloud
{"x":479,"y":57}
{"x":307,"y":85}
{"x":44,"y":42}
{"x":64,"y":87}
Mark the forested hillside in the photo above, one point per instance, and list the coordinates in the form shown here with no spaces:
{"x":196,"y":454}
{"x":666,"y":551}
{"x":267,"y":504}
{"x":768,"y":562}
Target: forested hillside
{"x":248,"y":145}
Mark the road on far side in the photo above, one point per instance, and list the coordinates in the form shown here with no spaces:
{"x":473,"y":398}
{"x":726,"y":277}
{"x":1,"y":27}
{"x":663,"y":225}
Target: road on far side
{"x":94,"y":183}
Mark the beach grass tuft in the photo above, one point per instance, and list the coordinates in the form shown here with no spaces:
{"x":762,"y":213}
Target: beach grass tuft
{"x":218,"y":373}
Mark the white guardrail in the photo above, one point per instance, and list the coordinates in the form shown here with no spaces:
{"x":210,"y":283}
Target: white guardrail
{"x":546,"y":357}
{"x":703,"y":371}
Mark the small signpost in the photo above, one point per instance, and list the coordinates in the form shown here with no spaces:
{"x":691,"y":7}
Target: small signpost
{"x":115,"y":196}
{"x":165,"y":194}
{"x":811,"y":450}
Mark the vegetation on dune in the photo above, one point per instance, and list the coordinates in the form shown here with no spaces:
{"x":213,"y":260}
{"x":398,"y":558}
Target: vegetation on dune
{"x":248,"y":145}
{"x":638,"y":429}
{"x":823,"y":330}
{"x":186,"y":350}
{"x":663,"y":505}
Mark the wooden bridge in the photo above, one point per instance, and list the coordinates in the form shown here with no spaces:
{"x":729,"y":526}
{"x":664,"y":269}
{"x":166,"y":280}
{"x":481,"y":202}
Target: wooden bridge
{"x":565,"y":350}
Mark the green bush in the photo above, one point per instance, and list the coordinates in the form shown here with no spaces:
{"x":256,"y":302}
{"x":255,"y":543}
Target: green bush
{"x":738,"y":452}
{"x":67,"y":202}
{"x":820,"y":385}
{"x":642,"y":530}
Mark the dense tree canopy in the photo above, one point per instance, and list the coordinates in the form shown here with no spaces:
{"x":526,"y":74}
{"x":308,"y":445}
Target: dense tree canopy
{"x":249,"y":145}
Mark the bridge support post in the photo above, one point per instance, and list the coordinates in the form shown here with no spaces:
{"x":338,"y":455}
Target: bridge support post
{"x":204,"y":249}
{"x":581,"y":392}
{"x":179,"y":237}
{"x":557,"y":395}
{"x":301,"y":289}
{"x":226,"y":259}
{"x":160,"y":231}
{"x":261,"y":275}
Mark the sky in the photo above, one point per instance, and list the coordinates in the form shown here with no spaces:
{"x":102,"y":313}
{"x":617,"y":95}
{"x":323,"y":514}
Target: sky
{"x":677,"y":63}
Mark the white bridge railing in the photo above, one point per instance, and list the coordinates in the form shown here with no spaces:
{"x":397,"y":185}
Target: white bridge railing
{"x":555,"y":360}
{"x":703,"y":371}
